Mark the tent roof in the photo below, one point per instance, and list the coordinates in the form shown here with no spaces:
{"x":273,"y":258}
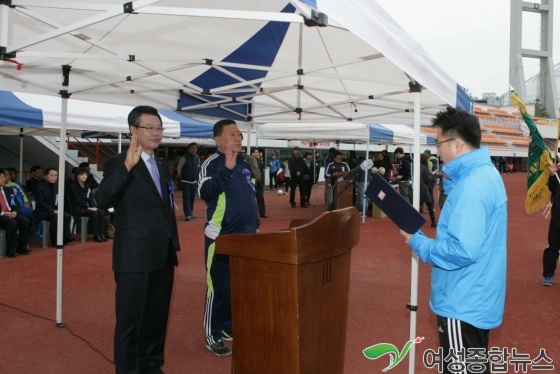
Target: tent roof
{"x":359,"y":67}
{"x":342,"y":132}
{"x":35,"y":114}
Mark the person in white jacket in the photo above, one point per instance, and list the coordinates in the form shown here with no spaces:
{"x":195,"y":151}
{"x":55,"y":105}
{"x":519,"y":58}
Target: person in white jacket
{"x":468,"y":255}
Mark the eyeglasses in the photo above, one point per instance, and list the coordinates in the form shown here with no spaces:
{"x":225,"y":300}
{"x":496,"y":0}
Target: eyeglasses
{"x":153,"y":130}
{"x":443,"y":141}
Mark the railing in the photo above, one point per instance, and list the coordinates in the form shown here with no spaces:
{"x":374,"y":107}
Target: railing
{"x":98,"y":155}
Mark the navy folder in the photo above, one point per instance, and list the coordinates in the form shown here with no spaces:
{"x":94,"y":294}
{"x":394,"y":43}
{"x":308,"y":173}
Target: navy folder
{"x":395,"y":206}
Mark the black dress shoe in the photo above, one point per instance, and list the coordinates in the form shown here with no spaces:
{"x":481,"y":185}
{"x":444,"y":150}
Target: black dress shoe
{"x":104,"y":238}
{"x":303,"y":206}
{"x":68,"y":240}
{"x":293,"y":205}
{"x":264,"y":216}
{"x":11,"y":253}
{"x":98,"y":238}
{"x":23,"y":251}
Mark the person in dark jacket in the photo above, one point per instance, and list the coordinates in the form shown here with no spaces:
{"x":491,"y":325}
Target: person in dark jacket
{"x":297,"y":168}
{"x":404,"y":172}
{"x":46,"y":205}
{"x":11,"y":221}
{"x":82,"y":203}
{"x":427,"y":179}
{"x":139,"y":186}
{"x":92,"y":183}
{"x":227,"y":187}
{"x":550,"y":255}
{"x":189,"y":167}
{"x":259,"y":184}
{"x":308,"y":173}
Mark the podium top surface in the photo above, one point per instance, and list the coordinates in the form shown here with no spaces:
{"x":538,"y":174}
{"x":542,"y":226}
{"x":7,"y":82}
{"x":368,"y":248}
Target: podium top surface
{"x":328,"y":235}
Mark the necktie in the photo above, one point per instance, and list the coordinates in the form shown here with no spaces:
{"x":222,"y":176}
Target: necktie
{"x":3,"y":202}
{"x":155,"y":175}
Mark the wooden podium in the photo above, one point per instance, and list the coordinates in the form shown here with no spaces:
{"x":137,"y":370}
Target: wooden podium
{"x":345,"y":196}
{"x":289,"y":295}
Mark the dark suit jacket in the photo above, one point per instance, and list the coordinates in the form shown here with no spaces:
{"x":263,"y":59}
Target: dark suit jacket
{"x":46,"y":200}
{"x":80,"y":198}
{"x":12,"y":199}
{"x":144,"y":223}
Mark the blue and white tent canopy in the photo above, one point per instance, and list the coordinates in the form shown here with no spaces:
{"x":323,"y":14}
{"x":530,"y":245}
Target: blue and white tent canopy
{"x":41,"y":115}
{"x":223,"y":57}
{"x":343,"y":132}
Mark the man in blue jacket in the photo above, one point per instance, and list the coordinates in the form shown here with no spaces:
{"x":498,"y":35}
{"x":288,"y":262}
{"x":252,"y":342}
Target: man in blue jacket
{"x":227,"y":186}
{"x":468,"y":255}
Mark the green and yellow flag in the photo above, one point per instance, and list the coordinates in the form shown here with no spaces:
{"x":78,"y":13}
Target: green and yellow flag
{"x":538,"y":162}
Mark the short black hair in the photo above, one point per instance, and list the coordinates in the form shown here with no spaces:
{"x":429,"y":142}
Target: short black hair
{"x":456,"y":123}
{"x":219,"y":126}
{"x":79,"y":171}
{"x":134,"y":115}
{"x":193,"y":143}
{"x":83,"y":164}
{"x":48,"y":170}
{"x":399,"y":150}
{"x":12,"y":170}
{"x":336,"y":153}
{"x":34,"y":168}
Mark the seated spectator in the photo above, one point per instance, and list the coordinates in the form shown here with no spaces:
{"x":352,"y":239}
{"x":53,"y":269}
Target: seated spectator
{"x":13,"y":177}
{"x":46,"y":205}
{"x":11,"y":221}
{"x":25,"y":208}
{"x":36,"y":177}
{"x":82,"y":203}
{"x":92,"y":183}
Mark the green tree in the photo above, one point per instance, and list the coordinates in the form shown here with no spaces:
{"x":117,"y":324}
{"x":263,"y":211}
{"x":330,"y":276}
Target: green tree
{"x":540,"y":109}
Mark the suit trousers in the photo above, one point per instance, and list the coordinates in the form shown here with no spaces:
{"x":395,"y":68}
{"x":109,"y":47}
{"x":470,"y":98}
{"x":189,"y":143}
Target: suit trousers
{"x":12,"y":225}
{"x":53,"y":219}
{"x":550,"y":255}
{"x":189,"y":193}
{"x":142,"y":308}
{"x":297,"y":182}
{"x":260,"y":200}
{"x":96,"y":220}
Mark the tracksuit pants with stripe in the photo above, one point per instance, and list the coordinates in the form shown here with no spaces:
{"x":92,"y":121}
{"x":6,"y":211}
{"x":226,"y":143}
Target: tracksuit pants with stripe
{"x":217,"y":314}
{"x":456,"y":336}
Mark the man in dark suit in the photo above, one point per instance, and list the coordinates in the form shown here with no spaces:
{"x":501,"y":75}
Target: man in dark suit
{"x":46,"y":206}
{"x":140,"y":188}
{"x":257,"y":155}
{"x":11,"y":221}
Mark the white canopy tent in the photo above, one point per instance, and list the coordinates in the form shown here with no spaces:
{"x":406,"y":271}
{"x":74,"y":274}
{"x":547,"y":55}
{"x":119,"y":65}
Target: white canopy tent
{"x":342,"y":132}
{"x":361,"y":66}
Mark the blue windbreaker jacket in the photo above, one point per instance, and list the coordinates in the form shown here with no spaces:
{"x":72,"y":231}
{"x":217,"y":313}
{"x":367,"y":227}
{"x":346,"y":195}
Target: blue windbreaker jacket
{"x":468,"y":256}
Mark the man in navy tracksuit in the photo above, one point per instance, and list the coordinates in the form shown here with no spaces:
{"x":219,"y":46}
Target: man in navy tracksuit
{"x":189,"y":167}
{"x":227,"y":186}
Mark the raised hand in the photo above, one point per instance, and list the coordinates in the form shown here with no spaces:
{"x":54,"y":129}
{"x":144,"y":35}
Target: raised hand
{"x":133,"y":153}
{"x":231,"y":156}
